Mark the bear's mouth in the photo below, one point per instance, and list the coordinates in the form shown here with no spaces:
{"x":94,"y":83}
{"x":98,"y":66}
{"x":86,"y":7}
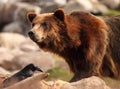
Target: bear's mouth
{"x":33,"y":38}
{"x":41,"y":44}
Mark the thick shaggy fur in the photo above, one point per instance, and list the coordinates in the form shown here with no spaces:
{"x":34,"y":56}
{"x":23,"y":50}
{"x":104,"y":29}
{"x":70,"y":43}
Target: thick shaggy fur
{"x":90,"y":45}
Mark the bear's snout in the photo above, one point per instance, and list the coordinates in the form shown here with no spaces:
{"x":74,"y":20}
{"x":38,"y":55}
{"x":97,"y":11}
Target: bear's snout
{"x":30,"y":33}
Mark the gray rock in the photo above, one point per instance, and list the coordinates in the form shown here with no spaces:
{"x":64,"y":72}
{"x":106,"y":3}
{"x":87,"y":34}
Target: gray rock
{"x":98,"y":8}
{"x":13,"y":27}
{"x":45,"y":3}
{"x":48,"y":6}
{"x":11,"y":40}
{"x":41,"y":59}
{"x":112,"y":4}
{"x":7,"y":10}
{"x":73,"y":5}
{"x":16,"y":11}
{"x":20,"y":15}
{"x":87,"y":5}
{"x":23,"y":9}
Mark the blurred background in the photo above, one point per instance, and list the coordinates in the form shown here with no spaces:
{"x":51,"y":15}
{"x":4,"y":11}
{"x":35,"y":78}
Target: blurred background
{"x":17,"y":50}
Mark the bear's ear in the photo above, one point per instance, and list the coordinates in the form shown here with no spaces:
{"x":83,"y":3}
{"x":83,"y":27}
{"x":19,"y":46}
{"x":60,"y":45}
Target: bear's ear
{"x":59,"y":13}
{"x":31,"y":16}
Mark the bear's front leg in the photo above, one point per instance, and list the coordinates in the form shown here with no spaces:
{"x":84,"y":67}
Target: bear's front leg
{"x":90,"y":69}
{"x":75,"y":77}
{"x":79,"y":76}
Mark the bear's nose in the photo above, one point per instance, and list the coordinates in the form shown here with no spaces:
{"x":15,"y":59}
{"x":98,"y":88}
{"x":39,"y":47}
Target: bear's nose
{"x":30,"y":33}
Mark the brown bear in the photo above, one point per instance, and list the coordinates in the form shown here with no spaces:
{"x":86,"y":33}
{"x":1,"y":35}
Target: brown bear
{"x":89,"y":44}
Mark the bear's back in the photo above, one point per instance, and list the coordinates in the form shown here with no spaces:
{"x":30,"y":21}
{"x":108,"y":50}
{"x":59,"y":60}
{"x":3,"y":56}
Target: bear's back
{"x":114,"y":36}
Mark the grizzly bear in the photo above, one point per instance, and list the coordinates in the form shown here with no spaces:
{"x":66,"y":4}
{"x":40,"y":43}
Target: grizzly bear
{"x":89,"y":44}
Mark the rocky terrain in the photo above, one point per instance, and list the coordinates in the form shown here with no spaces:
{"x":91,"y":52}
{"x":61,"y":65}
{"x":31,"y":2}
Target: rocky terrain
{"x":17,"y":50}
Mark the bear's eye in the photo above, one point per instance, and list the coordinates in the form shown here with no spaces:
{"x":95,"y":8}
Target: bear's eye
{"x":45,"y":25}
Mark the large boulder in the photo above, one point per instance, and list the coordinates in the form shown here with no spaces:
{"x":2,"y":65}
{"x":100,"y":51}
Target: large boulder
{"x":87,"y":83}
{"x":11,"y":40}
{"x":5,"y":58}
{"x":9,"y":47}
{"x":7,"y":10}
{"x":44,"y":60}
{"x":37,"y":82}
{"x":13,"y":27}
{"x":20,"y":15}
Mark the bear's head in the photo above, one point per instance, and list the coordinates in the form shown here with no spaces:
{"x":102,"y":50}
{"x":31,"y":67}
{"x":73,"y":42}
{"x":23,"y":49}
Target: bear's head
{"x":49,"y":30}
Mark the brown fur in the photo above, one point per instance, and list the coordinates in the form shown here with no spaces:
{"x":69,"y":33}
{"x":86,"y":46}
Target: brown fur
{"x":82,"y":39}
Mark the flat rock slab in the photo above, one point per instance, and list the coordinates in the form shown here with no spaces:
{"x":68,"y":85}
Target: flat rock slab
{"x":38,"y":82}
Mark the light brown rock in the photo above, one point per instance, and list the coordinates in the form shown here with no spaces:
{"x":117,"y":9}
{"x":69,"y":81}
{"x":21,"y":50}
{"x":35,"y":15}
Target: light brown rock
{"x":11,"y":40}
{"x":36,"y":82}
{"x":30,"y":83}
{"x":4,"y":71}
{"x":87,"y":83}
{"x":44,"y":60}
